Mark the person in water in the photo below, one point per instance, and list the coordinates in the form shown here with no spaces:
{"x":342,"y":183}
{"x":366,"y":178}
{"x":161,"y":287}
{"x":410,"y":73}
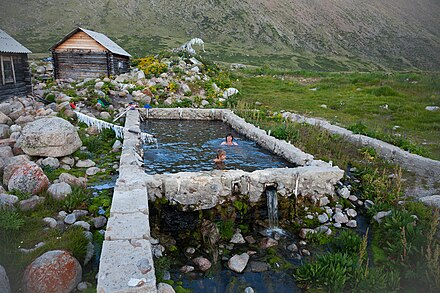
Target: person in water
{"x":229,"y":140}
{"x":219,"y":161}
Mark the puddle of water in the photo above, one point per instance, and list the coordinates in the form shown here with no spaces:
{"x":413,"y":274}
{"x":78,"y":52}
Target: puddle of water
{"x":190,"y":146}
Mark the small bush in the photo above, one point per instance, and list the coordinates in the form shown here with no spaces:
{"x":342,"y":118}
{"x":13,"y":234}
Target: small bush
{"x":151,"y":65}
{"x":102,"y":201}
{"x":173,"y":87}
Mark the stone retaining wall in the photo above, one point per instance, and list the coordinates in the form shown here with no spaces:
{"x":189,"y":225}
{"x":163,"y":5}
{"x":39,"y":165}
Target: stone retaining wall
{"x":414,"y":163}
{"x":126,"y":251}
{"x":205,"y":190}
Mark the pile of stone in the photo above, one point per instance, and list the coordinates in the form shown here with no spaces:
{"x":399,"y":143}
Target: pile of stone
{"x":181,"y":83}
{"x":42,"y":70}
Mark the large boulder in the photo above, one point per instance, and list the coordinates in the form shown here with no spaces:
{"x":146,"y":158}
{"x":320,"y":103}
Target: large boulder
{"x":10,"y":165}
{"x":4,"y":281}
{"x":55,"y":271}
{"x":28,"y":178}
{"x":49,"y":137}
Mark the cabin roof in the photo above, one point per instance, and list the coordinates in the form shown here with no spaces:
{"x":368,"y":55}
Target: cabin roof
{"x":9,"y":45}
{"x":98,"y":37}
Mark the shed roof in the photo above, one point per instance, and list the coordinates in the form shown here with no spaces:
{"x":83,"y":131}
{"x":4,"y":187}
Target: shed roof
{"x":98,"y":37}
{"x":9,"y":45}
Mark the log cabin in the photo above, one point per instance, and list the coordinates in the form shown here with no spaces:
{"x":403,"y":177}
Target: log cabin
{"x":87,"y":54}
{"x":15,"y":77}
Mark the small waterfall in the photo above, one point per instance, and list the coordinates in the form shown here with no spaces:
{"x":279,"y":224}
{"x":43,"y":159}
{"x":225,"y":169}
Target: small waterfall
{"x":272,"y":207}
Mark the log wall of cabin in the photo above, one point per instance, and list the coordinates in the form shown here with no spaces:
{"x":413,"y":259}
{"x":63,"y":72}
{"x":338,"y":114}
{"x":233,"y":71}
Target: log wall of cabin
{"x":22,"y":85}
{"x":119,"y":64}
{"x":80,"y":64}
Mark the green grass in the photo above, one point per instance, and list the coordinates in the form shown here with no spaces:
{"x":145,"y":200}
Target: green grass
{"x":379,"y":101}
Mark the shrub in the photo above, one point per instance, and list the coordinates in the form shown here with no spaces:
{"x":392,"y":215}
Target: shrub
{"x":151,"y":65}
{"x":173,"y":87}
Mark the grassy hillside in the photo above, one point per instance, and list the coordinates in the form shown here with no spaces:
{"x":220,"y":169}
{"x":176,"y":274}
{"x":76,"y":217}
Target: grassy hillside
{"x":388,"y":107}
{"x":299,"y":34}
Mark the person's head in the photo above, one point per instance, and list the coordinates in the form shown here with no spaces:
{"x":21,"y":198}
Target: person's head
{"x":221,"y":155}
{"x":229,"y":138}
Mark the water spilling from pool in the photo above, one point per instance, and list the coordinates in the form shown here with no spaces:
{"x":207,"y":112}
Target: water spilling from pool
{"x":190,"y":146}
{"x":272,"y":207}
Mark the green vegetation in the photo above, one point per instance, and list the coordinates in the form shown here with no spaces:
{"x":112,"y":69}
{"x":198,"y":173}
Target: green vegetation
{"x":399,"y":245}
{"x":77,"y":199}
{"x":368,"y":103}
{"x":226,"y":229}
{"x":10,"y":220}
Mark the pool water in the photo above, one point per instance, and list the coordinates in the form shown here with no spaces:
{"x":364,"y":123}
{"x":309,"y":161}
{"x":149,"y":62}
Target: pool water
{"x":191,"y":145}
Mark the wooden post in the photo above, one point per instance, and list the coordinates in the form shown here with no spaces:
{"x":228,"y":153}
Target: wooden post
{"x":13,"y":70}
{"x":3,"y":70}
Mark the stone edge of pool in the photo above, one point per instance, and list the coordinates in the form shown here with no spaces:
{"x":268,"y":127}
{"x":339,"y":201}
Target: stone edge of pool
{"x":126,"y":250}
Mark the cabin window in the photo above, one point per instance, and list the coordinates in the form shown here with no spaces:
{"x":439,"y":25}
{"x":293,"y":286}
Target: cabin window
{"x":120,"y":64}
{"x":7,"y":70}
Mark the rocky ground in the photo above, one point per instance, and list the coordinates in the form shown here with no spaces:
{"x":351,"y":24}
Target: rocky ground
{"x":46,"y":156}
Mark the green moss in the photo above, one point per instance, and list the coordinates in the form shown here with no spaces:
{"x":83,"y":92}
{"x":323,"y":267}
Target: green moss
{"x":180,"y":289}
{"x":226,"y":229}
{"x":160,"y":266}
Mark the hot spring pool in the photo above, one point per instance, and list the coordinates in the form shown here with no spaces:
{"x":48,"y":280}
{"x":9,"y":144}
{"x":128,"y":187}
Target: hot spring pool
{"x":190,"y":146}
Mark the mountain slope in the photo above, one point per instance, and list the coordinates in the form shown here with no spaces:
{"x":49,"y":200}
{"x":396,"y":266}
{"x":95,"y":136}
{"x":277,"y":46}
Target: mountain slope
{"x":310,"y":34}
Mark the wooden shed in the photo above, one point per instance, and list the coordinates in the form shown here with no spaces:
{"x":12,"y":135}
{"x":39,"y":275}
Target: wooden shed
{"x":15,"y":77}
{"x":85,"y":53}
